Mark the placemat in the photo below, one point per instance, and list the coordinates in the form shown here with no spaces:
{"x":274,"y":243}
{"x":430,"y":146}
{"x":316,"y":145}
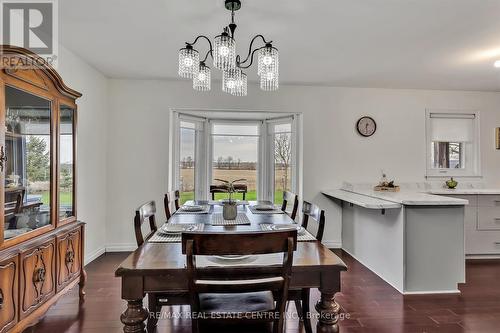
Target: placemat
{"x":160,"y":237}
{"x":218,"y":219}
{"x":220,"y":203}
{"x":305,"y":237}
{"x":206,"y":210}
{"x":274,"y":211}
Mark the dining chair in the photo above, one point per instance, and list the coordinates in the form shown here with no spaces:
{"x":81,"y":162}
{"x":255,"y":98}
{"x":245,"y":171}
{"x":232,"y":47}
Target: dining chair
{"x":167,"y":200}
{"x":227,"y":295}
{"x":290,"y":197}
{"x":301,"y":297}
{"x":145,"y":212}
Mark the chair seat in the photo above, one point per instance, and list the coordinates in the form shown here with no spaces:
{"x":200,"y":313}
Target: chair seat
{"x":237,"y":302}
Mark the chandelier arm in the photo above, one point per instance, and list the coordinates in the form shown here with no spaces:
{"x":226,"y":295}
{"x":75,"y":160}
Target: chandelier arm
{"x":251,"y":59}
{"x":201,"y":36}
{"x":250,"y":52}
{"x":209,"y":52}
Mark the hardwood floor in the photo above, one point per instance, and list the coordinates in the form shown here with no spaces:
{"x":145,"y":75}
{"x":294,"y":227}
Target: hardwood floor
{"x":369,"y":304}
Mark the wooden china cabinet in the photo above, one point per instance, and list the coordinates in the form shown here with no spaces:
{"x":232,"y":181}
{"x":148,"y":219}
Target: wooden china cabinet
{"x":41,"y":240}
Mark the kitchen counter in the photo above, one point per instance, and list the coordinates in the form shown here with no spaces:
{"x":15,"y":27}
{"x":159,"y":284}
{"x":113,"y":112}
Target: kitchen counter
{"x":361,"y":199}
{"x":413,"y":198}
{"x":416,"y":244}
{"x":465,"y":191}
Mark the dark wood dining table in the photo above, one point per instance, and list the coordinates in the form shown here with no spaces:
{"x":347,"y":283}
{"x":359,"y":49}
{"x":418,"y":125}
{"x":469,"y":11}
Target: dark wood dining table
{"x":161,"y":267}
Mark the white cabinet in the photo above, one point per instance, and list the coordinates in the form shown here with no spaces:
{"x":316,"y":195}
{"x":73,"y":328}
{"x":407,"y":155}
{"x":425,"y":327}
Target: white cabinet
{"x":482,"y":224}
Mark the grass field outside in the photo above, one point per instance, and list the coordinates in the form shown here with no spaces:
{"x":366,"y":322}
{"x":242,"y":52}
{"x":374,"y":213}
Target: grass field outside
{"x":65,"y":198}
{"x":250,"y":196}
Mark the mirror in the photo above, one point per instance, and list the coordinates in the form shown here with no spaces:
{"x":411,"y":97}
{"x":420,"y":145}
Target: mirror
{"x":28,"y":166}
{"x":66,"y":162}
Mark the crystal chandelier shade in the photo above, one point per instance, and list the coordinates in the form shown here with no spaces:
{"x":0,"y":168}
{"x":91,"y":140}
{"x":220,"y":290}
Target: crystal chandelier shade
{"x":269,"y":81}
{"x":189,"y":60}
{"x":201,"y":80}
{"x":240,"y":88}
{"x":268,"y":60}
{"x":222,"y":50}
{"x":230,"y":79}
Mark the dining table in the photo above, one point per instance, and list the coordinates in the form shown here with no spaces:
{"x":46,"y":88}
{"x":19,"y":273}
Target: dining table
{"x":160,"y":266}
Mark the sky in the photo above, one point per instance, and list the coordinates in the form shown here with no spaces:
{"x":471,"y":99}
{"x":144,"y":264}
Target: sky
{"x":239,"y":147}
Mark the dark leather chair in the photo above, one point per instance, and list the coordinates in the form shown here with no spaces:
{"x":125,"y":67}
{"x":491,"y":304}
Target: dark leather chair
{"x":301,"y":297}
{"x":228,"y":295}
{"x":155,"y":300}
{"x":289,"y":197}
{"x":167,"y":201}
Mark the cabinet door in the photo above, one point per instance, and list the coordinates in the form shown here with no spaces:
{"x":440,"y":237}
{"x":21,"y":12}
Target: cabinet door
{"x":69,"y":257}
{"x":8,"y":293}
{"x":67,"y":145}
{"x":37,"y":277}
{"x":26,"y":163}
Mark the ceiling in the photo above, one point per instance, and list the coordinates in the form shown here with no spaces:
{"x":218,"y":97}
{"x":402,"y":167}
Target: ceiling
{"x":429,"y":44}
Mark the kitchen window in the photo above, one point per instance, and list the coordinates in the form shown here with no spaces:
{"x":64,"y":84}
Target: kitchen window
{"x":452,"y":144}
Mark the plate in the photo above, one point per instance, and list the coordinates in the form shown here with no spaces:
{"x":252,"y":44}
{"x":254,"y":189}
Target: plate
{"x":300,"y":229}
{"x":192,"y":208}
{"x":264,"y":207}
{"x":172,"y":228}
{"x":233,"y":257}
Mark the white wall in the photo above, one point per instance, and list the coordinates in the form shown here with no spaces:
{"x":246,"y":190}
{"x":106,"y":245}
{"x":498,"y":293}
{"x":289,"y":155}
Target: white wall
{"x":137,"y":144}
{"x":91,"y":153}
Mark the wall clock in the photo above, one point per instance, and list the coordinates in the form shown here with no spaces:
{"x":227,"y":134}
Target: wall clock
{"x":366,"y":126}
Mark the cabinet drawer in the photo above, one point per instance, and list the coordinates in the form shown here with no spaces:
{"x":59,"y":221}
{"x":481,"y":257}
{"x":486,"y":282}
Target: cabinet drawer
{"x":488,"y":218}
{"x":9,"y":270}
{"x":489,"y":201}
{"x":69,"y":257}
{"x":37,"y":277}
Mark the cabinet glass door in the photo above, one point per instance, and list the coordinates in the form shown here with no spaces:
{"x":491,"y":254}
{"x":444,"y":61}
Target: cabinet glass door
{"x":66,"y":162}
{"x":28,"y":167}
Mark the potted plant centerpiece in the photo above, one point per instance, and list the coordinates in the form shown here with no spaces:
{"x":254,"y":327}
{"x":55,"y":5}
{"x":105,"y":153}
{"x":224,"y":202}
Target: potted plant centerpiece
{"x":229,"y":207}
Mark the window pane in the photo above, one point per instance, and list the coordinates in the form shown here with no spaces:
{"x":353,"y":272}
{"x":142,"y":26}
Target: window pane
{"x":235,"y":129}
{"x":27,"y":169}
{"x":187,"y":164}
{"x":66,"y":158}
{"x":448,"y":155}
{"x":235,"y":157}
{"x":282,"y":165}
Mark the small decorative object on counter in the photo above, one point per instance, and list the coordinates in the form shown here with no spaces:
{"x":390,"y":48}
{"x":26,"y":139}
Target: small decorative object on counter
{"x":451,"y":184}
{"x":386,"y":186}
{"x":230,"y":208}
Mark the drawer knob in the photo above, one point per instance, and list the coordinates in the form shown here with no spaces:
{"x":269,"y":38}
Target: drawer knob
{"x":70,"y":257}
{"x":39,"y":275}
{"x":1,"y":299}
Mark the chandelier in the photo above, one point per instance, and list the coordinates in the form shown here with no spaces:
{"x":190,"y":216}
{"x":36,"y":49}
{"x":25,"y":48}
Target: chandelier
{"x":223,"y":53}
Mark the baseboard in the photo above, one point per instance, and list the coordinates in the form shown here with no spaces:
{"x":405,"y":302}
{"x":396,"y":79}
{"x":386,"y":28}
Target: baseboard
{"x":433,"y":292}
{"x":121,"y":247}
{"x":332,"y":244}
{"x":94,"y":255}
{"x":481,"y":256}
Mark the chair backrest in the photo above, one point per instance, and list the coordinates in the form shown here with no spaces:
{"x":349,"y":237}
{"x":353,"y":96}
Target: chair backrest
{"x":312,"y":212}
{"x":146,"y":211}
{"x":169,"y":197}
{"x":274,"y":278}
{"x":239,"y":188}
{"x":293,"y":198}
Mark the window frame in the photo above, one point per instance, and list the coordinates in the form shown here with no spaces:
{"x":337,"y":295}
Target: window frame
{"x":472,"y":153}
{"x":204,"y":150}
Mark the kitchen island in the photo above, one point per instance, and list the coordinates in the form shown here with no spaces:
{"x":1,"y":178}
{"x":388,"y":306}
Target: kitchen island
{"x":412,"y":240}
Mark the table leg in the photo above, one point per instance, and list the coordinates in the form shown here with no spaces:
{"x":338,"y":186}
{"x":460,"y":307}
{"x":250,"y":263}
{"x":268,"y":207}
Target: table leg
{"x":327,"y":307}
{"x":134,"y":316}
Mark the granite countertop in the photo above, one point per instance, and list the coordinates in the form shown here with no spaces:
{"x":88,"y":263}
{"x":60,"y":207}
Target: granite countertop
{"x":361,"y":200}
{"x":465,"y":191}
{"x":404,"y":197}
